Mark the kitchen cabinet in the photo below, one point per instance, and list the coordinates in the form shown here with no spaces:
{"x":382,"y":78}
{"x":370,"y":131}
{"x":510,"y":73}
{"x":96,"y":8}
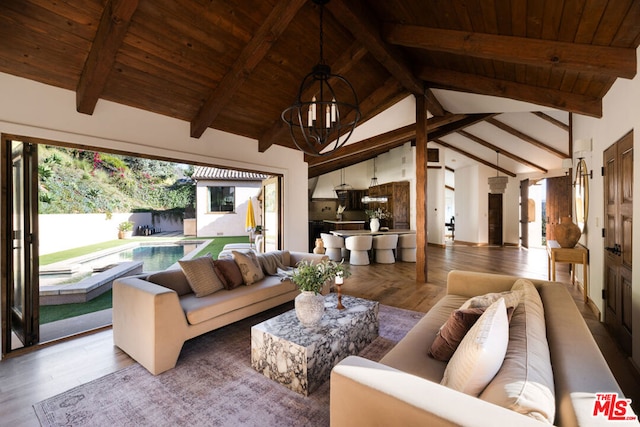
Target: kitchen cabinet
{"x":397,"y":204}
{"x":353,"y":200}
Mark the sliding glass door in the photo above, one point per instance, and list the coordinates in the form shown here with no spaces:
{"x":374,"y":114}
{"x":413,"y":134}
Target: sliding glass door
{"x":19,"y":240}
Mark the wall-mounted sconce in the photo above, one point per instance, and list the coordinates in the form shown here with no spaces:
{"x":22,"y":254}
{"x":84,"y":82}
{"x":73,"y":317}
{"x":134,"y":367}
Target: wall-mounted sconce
{"x":581,"y":147}
{"x":567,"y":165}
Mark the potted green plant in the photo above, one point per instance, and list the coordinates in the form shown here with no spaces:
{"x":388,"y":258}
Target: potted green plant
{"x":125,"y":230}
{"x":310,"y":278}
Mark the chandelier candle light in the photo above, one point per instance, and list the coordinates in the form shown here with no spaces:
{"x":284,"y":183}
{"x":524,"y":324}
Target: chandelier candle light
{"x":325,"y":121}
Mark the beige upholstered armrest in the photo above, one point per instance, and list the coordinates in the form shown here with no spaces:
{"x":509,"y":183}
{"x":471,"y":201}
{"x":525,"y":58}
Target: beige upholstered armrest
{"x":366,"y":393}
{"x":148,"y":323}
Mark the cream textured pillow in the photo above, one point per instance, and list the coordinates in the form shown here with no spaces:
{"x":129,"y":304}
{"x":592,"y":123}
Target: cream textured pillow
{"x":481,"y":352}
{"x":249,"y":266}
{"x":525,"y":383}
{"x":201,"y":276}
{"x":511,"y":299}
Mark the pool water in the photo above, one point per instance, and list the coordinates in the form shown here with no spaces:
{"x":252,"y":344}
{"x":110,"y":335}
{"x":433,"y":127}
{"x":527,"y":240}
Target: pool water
{"x":155,"y":258}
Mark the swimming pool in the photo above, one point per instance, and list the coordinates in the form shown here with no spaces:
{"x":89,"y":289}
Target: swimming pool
{"x":155,"y":257}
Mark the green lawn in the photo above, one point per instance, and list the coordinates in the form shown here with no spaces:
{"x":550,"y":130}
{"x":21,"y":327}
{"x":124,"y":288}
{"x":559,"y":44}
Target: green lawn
{"x":51,"y":313}
{"x":215,"y":247}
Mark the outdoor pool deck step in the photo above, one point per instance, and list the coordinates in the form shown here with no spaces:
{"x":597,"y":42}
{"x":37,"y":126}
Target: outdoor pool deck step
{"x":89,"y":288}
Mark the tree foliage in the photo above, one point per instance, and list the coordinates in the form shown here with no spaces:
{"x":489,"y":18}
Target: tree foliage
{"x":81,"y":181}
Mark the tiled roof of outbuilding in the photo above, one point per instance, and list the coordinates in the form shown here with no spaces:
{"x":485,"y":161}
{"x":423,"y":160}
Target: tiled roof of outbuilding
{"x":202,"y":172}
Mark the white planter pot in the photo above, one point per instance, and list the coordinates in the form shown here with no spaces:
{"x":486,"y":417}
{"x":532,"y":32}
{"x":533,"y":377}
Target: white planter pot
{"x":309,"y":308}
{"x":374,"y":224}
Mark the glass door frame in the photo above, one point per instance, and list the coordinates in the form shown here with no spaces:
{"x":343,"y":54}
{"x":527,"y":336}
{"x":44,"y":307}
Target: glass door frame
{"x":18,"y":229}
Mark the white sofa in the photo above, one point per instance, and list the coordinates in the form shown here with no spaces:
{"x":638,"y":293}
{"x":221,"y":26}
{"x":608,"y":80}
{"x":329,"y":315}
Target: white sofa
{"x":404,"y":388}
{"x":154,"y":315}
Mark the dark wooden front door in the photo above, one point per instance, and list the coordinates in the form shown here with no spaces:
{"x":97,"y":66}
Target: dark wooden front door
{"x":524,"y":213}
{"x":558,"y":203}
{"x":495,"y":219}
{"x":618,"y":196}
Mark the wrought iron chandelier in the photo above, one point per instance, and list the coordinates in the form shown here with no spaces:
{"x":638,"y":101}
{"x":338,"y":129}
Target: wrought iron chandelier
{"x":325,"y":121}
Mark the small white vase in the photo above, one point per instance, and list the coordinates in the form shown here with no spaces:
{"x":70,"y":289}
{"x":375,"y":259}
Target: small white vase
{"x":374,"y":224}
{"x":309,"y":308}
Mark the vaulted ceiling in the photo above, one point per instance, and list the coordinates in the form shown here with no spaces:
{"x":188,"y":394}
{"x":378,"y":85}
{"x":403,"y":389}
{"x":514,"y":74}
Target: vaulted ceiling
{"x":234,"y":65}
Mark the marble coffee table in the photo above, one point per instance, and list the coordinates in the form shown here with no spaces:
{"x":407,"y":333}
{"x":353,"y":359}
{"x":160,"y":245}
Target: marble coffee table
{"x":302,"y":358}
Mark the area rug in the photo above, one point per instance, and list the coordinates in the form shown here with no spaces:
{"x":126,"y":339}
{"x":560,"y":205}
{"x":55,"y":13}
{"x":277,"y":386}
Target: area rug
{"x":213,"y":384}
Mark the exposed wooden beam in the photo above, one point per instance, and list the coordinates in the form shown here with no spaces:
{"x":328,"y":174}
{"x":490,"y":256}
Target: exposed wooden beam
{"x":112,"y":29}
{"x":447,"y":128}
{"x":531,"y":140}
{"x":279,"y":132}
{"x":421,"y":189}
{"x":433,"y":105}
{"x":473,"y":157}
{"x":371,"y":147}
{"x":552,"y":120}
{"x":567,"y":101}
{"x":583,"y":58}
{"x":268,"y":33}
{"x":361,"y":150}
{"x":356,"y":16}
{"x":502,"y":151}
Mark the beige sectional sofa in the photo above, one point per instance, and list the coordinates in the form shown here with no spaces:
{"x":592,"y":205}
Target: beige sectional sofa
{"x":155,"y":314}
{"x":405,"y":387}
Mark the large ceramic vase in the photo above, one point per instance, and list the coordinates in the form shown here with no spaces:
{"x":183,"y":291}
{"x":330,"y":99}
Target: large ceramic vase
{"x":374,"y":224}
{"x":309,"y":308}
{"x":567,"y":233}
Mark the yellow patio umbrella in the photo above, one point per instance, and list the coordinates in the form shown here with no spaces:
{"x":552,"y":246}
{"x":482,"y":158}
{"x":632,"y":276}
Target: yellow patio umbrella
{"x":250,"y":221}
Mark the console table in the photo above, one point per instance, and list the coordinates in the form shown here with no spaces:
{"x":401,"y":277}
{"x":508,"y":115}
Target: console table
{"x":301,"y":358}
{"x":573,"y":256}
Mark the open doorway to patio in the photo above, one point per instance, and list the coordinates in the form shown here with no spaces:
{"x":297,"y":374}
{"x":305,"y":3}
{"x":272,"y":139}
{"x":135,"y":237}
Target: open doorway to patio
{"x":93,"y":216}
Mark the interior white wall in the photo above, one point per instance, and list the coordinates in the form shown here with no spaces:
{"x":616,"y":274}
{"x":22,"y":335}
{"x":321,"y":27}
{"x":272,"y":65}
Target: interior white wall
{"x":467,"y":204}
{"x":621,"y":113}
{"x":511,"y":213}
{"x":435,"y":206}
{"x":36,"y":110}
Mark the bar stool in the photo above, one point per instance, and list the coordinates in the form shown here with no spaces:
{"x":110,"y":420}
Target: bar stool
{"x":383,"y":246}
{"x":359,"y":247}
{"x":407,"y":247}
{"x":333,"y":246}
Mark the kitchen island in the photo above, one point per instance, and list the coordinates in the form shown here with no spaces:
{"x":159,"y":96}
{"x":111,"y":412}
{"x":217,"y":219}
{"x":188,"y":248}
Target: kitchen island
{"x":344,"y":225}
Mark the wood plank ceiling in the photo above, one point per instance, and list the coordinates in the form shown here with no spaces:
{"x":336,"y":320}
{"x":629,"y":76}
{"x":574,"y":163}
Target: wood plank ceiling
{"x":234,"y":65}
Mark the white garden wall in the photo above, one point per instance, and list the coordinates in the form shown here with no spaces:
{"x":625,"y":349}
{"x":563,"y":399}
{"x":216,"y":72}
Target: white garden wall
{"x":59,"y":232}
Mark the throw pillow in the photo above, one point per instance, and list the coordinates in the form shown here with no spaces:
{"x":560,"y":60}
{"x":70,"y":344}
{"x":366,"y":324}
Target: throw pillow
{"x":452,"y":332}
{"x":481,"y":352}
{"x":249,"y":266}
{"x":229,"y":272}
{"x":511,"y":299}
{"x":201,"y":276}
{"x":525,"y":382}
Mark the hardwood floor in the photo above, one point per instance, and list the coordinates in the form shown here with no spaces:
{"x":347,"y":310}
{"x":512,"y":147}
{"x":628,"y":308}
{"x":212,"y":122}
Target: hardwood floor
{"x":42,"y":373}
